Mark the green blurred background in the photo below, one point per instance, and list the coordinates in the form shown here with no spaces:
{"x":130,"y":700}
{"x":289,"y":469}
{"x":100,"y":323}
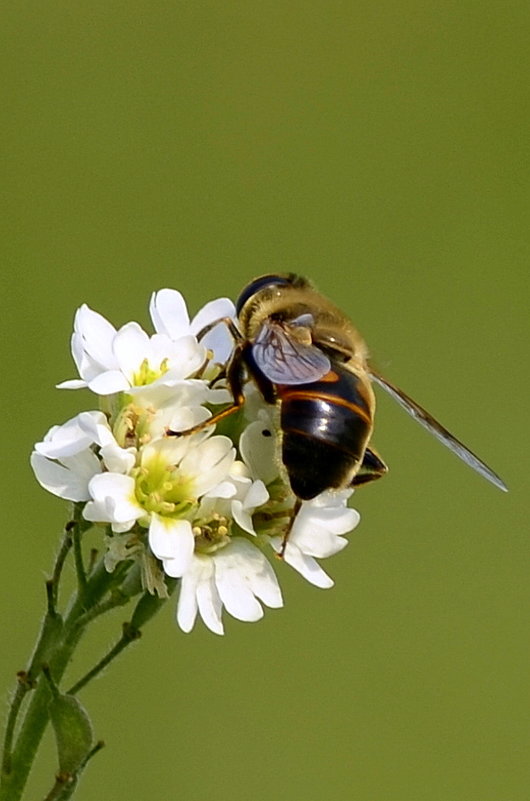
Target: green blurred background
{"x":382,"y":149}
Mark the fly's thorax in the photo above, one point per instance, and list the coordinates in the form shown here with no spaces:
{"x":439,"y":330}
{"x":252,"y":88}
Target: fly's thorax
{"x":330,"y":328}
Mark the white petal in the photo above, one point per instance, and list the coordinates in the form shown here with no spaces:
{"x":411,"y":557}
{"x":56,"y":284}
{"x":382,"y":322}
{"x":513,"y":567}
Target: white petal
{"x":184,"y":394}
{"x":95,"y":425}
{"x":60,"y":480}
{"x":173,"y":542}
{"x":237,"y":598}
{"x":120,"y":528}
{"x":316,"y":540}
{"x":198,"y":593}
{"x":97,"y":511}
{"x":115,"y":494}
{"x":187,"y":392}
{"x":219,"y":340}
{"x":210,"y":605}
{"x":187,"y":602}
{"x":209,"y":463}
{"x":131,"y":347}
{"x":108,"y":383}
{"x":169,"y":313}
{"x":256,"y":496}
{"x":188,"y":356}
{"x":64,"y":440}
{"x":165,"y":534}
{"x":160,"y":347}
{"x":218,"y":396}
{"x":305,"y":565}
{"x":177,"y":420}
{"x":319,"y":543}
{"x":258,"y":447}
{"x":225,"y":489}
{"x":211,"y":311}
{"x":73,"y":383}
{"x":86,"y":366}
{"x":232,"y":580}
{"x":259,"y":574}
{"x":84,"y":464}
{"x":169,"y":450}
{"x":242,"y":517}
{"x":331,"y":498}
{"x":240,"y":473}
{"x":118,"y":460}
{"x":97,"y":334}
{"x":89,"y":366}
{"x":337,"y":519}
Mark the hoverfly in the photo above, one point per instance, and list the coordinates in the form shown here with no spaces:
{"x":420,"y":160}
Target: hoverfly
{"x":304,"y":353}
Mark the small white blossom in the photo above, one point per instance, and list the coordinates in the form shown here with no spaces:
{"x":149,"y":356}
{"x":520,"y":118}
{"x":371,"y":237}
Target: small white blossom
{"x":237,"y":497}
{"x":129,"y":360}
{"x":162,"y":492}
{"x":111,"y":361}
{"x":237,"y":577}
{"x":64,"y":462}
{"x":317,"y":533}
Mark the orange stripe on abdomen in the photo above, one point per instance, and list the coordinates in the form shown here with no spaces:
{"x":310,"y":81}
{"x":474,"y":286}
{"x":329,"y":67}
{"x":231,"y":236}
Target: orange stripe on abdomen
{"x":287,"y":394}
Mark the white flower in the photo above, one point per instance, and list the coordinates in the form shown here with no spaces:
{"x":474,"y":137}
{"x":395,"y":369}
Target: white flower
{"x":237,"y":577}
{"x":64,"y":462}
{"x":129,"y":360}
{"x":317,"y":533}
{"x":162,"y":492}
{"x":237,"y":497}
{"x":111,"y":361}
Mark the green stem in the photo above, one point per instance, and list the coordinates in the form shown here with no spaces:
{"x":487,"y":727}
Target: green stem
{"x":19,"y":762}
{"x":97,"y":592}
{"x":147,"y":606}
{"x":77,"y":533}
{"x":64,"y":550}
{"x":130,"y":634}
{"x":47,"y":639}
{"x":20,"y":693}
{"x":32,"y":729}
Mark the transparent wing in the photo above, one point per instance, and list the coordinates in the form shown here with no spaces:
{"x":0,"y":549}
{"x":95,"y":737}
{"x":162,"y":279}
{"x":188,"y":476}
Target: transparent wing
{"x":442,"y":434}
{"x":283,"y":360}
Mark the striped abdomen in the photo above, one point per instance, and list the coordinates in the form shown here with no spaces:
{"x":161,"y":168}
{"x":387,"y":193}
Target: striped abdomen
{"x":326,"y":426}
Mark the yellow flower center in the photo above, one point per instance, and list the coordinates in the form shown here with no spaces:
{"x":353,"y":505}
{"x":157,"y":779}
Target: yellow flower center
{"x":212,"y":534}
{"x":162,"y":488}
{"x":146,"y":374}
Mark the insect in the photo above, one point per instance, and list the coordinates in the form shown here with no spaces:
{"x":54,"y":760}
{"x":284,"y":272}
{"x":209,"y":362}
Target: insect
{"x":304,"y":353}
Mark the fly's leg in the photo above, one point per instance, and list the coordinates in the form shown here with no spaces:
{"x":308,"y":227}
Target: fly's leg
{"x":232,"y":327}
{"x":294,"y":512}
{"x":229,"y":323}
{"x":234,"y":376}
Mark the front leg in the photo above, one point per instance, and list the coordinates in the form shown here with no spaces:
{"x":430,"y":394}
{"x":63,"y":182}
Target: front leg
{"x":230,"y":324}
{"x":235,"y":379}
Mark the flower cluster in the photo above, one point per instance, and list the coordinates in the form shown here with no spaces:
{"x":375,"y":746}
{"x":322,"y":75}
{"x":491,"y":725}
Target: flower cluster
{"x":207,"y":508}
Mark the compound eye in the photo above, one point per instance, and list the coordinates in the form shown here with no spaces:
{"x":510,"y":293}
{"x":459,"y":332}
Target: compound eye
{"x":258,"y":284}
